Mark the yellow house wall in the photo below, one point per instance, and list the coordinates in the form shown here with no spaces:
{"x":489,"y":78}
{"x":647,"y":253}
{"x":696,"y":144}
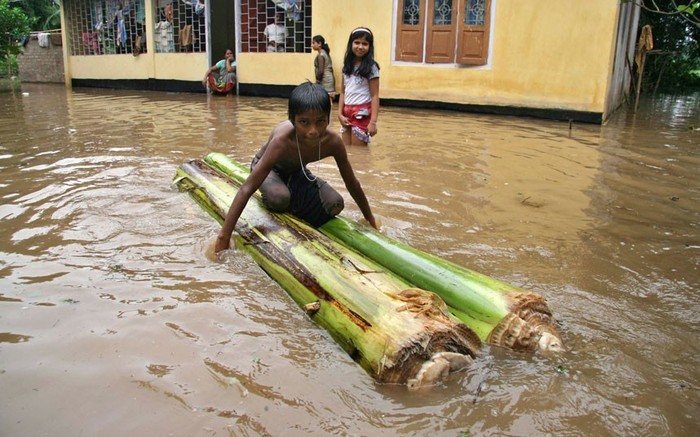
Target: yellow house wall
{"x":166,"y":66}
{"x":180,"y":66}
{"x":544,"y":54}
{"x":108,"y":67}
{"x":274,"y":68}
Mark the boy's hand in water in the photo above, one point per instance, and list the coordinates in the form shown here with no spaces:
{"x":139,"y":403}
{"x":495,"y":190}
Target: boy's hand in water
{"x":376,"y":224}
{"x":210,"y":252}
{"x":221,"y":243}
{"x":218,"y":250}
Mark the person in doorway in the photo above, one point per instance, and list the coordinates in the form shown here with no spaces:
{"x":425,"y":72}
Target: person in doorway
{"x":323,"y":66}
{"x":358,"y":105}
{"x":279,"y":169}
{"x":221,"y":76}
{"x":276,"y":34}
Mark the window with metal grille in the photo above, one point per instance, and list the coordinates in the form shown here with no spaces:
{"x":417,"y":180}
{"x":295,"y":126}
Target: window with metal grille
{"x":109,"y":27}
{"x":105,"y":27}
{"x":288,"y":24}
{"x":180,"y":26}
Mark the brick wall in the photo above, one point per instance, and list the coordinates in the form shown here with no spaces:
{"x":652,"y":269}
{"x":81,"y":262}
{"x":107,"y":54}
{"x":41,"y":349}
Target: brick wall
{"x":42,"y":64}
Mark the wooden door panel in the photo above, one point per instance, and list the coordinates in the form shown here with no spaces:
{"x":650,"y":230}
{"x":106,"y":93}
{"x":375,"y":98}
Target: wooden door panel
{"x":410,"y":30}
{"x":472,"y":47}
{"x":441,"y":46}
{"x":474,"y":30}
{"x":440,"y":41}
{"x":409,"y":46}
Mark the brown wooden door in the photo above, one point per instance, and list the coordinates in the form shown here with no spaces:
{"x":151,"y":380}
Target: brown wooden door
{"x":442,"y":23}
{"x":473,"y":29}
{"x":410,"y":30}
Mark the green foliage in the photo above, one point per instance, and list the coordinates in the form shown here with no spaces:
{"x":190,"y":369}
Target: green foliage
{"x":676,"y":49}
{"x":689,"y":8}
{"x":53,"y":21}
{"x":44,"y":13}
{"x":685,"y":10}
{"x":9,"y":66}
{"x":14,"y":25}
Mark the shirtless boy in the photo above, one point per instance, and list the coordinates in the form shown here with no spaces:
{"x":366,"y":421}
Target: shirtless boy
{"x":279,"y":167}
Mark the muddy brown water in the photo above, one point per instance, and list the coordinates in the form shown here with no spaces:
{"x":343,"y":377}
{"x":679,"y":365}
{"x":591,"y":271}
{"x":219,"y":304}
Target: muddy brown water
{"x":114,"y":322}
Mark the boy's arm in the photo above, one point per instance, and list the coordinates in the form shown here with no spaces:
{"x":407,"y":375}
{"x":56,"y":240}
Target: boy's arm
{"x":223,"y":239}
{"x":251,"y":184}
{"x":352,"y":183}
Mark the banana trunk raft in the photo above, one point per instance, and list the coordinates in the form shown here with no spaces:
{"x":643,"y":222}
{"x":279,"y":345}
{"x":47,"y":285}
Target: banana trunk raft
{"x":397,"y":333}
{"x":500,"y":313}
{"x":404,"y":315}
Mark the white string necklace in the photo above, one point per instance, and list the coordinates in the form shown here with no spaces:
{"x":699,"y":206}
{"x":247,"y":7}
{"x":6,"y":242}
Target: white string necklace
{"x":302,"y":161}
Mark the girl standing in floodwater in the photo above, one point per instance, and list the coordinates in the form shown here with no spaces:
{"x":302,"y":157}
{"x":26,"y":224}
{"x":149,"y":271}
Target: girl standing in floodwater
{"x":323,"y":66}
{"x":359,"y":93}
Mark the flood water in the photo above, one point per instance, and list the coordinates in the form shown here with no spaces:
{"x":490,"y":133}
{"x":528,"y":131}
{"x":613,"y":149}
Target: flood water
{"x":113,"y":321}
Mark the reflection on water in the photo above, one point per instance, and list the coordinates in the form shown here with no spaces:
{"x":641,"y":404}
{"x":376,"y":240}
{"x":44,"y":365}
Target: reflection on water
{"x":113,"y":321}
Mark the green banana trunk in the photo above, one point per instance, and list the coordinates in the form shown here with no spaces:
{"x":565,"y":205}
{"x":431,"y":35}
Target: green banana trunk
{"x":501,"y":314}
{"x":397,"y":333}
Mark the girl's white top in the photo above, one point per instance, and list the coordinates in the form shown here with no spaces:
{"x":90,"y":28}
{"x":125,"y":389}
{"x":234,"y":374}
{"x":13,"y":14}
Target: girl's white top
{"x":357,"y":87}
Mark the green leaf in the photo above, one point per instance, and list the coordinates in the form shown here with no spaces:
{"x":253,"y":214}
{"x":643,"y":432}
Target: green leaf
{"x":689,"y":8}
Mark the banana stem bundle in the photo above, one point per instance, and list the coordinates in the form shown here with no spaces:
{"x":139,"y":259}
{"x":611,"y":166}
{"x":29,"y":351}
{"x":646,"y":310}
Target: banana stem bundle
{"x":398,"y":333}
{"x":499,"y":313}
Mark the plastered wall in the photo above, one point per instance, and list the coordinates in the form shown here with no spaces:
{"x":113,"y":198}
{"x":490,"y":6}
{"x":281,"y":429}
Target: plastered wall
{"x":544,"y":54}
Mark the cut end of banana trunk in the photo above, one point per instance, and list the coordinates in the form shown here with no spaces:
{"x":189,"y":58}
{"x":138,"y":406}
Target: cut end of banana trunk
{"x":443,"y":345}
{"x":437,"y":368}
{"x":516,"y":333}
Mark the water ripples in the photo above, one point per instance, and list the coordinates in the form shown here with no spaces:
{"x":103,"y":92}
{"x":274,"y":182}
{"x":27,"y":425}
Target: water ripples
{"x":105,"y":282}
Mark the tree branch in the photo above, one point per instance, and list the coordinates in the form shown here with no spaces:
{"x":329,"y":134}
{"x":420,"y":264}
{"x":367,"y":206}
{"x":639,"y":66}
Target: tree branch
{"x":687,"y":14}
